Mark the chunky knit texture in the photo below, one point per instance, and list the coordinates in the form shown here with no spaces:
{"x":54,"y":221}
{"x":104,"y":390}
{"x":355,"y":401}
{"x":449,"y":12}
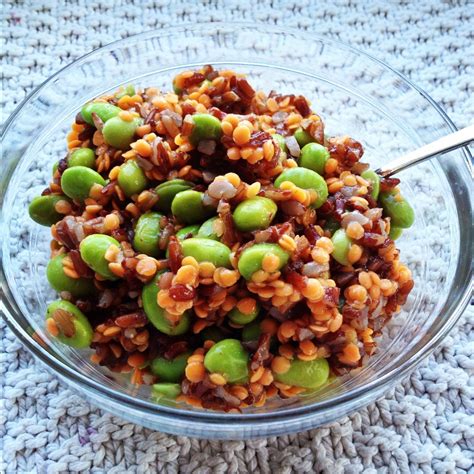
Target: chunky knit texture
{"x":425,"y":424}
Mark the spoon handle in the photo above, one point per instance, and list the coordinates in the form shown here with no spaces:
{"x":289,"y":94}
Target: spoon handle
{"x":438,"y":147}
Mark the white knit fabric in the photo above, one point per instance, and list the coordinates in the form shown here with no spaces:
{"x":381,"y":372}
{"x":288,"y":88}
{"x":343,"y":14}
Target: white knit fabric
{"x":425,"y":424}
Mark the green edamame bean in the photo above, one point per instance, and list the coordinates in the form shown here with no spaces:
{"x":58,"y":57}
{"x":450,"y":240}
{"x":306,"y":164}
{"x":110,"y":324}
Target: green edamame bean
{"x":120,"y":133}
{"x":103,"y":110}
{"x":206,"y":127}
{"x":131,"y":178}
{"x":305,"y":374}
{"x":165,"y":390}
{"x":159,"y":317}
{"x":314,"y":157}
{"x":303,"y":137}
{"x":342,"y":243}
{"x":374,"y":180}
{"x":147,"y":234}
{"x":76,"y":182}
{"x":167,"y":191}
{"x":251,"y":259}
{"x":170,"y":370}
{"x":207,"y":231}
{"x":255,"y":213}
{"x":212,"y":333}
{"x":395,"y":232}
{"x":280,"y":139}
{"x":397,"y":208}
{"x":228,"y":358}
{"x":82,"y":157}
{"x":79,"y":334}
{"x":61,"y":282}
{"x":188,"y":208}
{"x":238,"y":317}
{"x":93,"y":249}
{"x":129,"y":90}
{"x":55,"y":167}
{"x":43,"y":211}
{"x":188,"y":232}
{"x":207,"y":250}
{"x":332,"y":225}
{"x":252,"y":331}
{"x":306,"y":179}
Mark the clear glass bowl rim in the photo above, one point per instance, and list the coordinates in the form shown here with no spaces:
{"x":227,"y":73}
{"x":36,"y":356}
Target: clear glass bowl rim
{"x":148,"y":408}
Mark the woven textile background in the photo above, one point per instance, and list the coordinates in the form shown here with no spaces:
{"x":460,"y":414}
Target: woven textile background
{"x":425,"y":424}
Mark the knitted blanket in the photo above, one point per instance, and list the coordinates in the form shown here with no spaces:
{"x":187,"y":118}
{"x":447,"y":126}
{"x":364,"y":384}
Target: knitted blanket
{"x":425,"y":424}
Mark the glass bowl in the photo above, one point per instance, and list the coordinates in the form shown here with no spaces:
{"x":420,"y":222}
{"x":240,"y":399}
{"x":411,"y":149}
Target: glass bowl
{"x":356,"y":95}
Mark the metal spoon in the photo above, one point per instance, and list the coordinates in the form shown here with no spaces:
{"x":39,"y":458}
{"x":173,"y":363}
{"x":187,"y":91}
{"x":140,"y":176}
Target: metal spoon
{"x":438,"y":147}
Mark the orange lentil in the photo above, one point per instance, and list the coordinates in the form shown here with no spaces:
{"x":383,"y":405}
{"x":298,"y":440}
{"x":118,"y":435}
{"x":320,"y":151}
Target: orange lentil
{"x":354,"y":230}
{"x":52,"y":327}
{"x":331,"y":166}
{"x":313,"y":290}
{"x":233,"y":153}
{"x":240,"y":392}
{"x":247,"y":305}
{"x":111,"y":331}
{"x":233,"y":179}
{"x":255,"y":377}
{"x":267,"y":378}
{"x":256,"y":388}
{"x":259,"y":276}
{"x":187,"y":274}
{"x":142,"y":147}
{"x":241,"y":135}
{"x":280,"y":365}
{"x":112,"y":253}
{"x":268,"y":150}
{"x":225,"y":277}
{"x":306,"y":357}
{"x":308,"y":348}
{"x":404,"y":275}
{"x":217,"y":379}
{"x":365,"y":280}
{"x":195,"y":372}
{"x":227,"y":128}
{"x":374,"y":292}
{"x":206,"y":269}
{"x":136,"y":360}
{"x":253,"y":189}
{"x":126,"y":116}
{"x":146,"y":267}
{"x":320,"y":255}
{"x":356,"y":293}
{"x":111,"y":222}
{"x":63,"y":207}
{"x":270,"y":263}
{"x":355,"y":253}
{"x":117,"y":269}
{"x":287,"y":243}
{"x":351,"y":352}
{"x":288,"y":329}
{"x":71,"y":273}
{"x":349,"y":180}
{"x":335,"y":187}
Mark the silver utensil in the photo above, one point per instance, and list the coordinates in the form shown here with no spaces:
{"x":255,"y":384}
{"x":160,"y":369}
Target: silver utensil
{"x":438,"y":147}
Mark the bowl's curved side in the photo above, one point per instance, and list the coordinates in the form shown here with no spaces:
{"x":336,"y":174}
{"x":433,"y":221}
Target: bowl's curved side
{"x":355,"y":92}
